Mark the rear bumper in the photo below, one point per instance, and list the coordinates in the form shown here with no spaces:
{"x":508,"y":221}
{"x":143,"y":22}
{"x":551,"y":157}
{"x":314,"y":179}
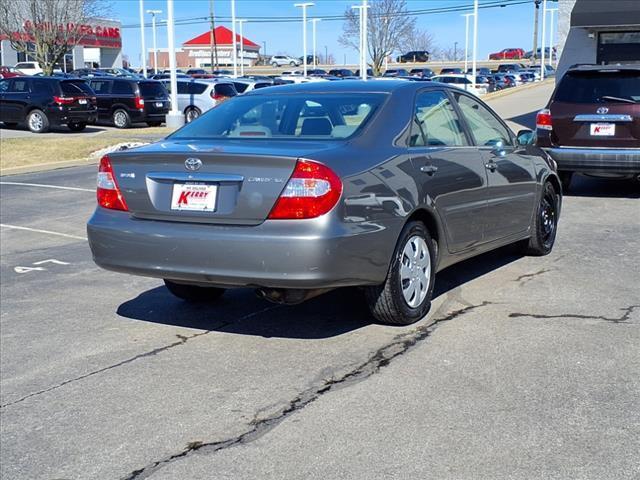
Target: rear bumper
{"x":58,"y":117}
{"x":597,"y":160}
{"x":278,"y":253}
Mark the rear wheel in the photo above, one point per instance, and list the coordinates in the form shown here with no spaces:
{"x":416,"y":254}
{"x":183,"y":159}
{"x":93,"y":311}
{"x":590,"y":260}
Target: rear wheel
{"x":405,"y":296}
{"x":154,"y":124}
{"x":191,"y":113}
{"x":293,"y":64}
{"x":565,"y":179}
{"x":37,"y":121}
{"x":121,"y":119}
{"x":274,"y":65}
{"x":77,"y":126}
{"x":545,"y":223}
{"x":193,"y":293}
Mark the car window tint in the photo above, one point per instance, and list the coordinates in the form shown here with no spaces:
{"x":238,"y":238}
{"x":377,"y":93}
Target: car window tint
{"x":75,"y":88}
{"x":152,"y":89}
{"x":42,"y":86}
{"x":183,"y":87}
{"x":240,"y":87}
{"x":226,"y":89}
{"x":436,"y":119}
{"x":485,"y":127}
{"x":196,"y":88}
{"x":122,"y":88}
{"x":4,"y":86}
{"x":590,"y":87}
{"x":19,"y":86}
{"x":100,"y":86}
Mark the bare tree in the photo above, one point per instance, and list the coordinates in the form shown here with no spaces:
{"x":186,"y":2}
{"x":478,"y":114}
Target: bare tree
{"x":388,"y":23}
{"x":47,"y":29}
{"x":418,"y":40}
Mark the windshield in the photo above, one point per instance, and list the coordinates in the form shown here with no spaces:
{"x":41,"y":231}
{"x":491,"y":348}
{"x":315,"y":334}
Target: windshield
{"x":297,"y":116}
{"x":591,"y":87}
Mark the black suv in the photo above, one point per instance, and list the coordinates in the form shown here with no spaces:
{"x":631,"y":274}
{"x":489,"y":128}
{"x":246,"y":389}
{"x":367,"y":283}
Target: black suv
{"x":413,"y":57}
{"x":42,"y":102}
{"x":125,"y":101}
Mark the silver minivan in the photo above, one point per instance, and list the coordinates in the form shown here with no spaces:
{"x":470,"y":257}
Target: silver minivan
{"x":197,"y":96}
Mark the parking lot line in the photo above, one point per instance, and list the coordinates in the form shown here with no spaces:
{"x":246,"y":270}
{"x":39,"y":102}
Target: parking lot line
{"x":37,"y":230}
{"x":77,"y":189}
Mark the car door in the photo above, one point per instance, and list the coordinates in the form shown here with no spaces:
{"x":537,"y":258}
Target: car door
{"x":16,"y":99}
{"x":512,"y":182}
{"x":449,"y":169}
{"x":103,"y":97}
{"x":4,"y":88}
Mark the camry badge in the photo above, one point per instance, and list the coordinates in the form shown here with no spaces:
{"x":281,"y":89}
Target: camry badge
{"x":602,"y":110}
{"x":193,"y":164}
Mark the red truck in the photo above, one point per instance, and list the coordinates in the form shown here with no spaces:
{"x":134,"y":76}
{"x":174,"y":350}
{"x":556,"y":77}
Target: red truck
{"x":508,"y":54}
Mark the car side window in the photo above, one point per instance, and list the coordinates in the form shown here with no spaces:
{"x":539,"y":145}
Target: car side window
{"x":183,"y":88}
{"x":4,"y":86}
{"x":485,"y":127}
{"x":19,"y":86}
{"x":122,"y":88}
{"x":195,"y":88}
{"x":42,"y":86}
{"x":435,"y":122}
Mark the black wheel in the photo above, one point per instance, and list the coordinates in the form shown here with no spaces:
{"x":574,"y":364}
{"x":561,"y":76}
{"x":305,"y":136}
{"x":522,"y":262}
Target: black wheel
{"x":405,"y":296}
{"x":37,"y":121}
{"x":154,"y":124}
{"x":565,"y":179}
{"x":545,"y":223}
{"x":10,"y":124}
{"x":193,"y":293}
{"x":77,"y":127}
{"x":293,"y":64}
{"x":191,"y":113}
{"x":274,"y":65}
{"x":121,"y":118}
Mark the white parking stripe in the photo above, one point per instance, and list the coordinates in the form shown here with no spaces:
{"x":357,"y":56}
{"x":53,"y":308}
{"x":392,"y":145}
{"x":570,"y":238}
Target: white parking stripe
{"x":37,"y":230}
{"x":77,"y":189}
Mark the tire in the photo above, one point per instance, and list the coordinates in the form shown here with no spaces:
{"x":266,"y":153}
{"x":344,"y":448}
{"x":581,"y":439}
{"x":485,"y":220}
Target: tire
{"x":10,"y":124}
{"x":293,"y":64}
{"x":194,"y":293}
{"x":121,"y":118}
{"x":545,"y":223}
{"x":274,"y":65}
{"x":191,"y":113}
{"x":565,"y":179}
{"x":394,"y":302}
{"x":37,"y":121}
{"x":77,"y":127}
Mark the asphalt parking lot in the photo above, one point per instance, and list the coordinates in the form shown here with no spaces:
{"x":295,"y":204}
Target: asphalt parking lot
{"x":526,"y":368}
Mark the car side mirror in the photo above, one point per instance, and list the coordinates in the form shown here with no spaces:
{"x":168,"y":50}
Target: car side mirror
{"x":525,"y":137}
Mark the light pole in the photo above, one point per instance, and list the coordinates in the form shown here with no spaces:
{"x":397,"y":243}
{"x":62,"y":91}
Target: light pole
{"x":304,"y":33}
{"x":455,"y":52}
{"x":326,"y":55}
{"x":174,"y":118}
{"x":551,"y":32}
{"x":365,"y":12}
{"x":475,"y":42}
{"x":466,"y":41}
{"x":313,"y":25}
{"x":240,"y":22}
{"x":360,"y":43}
{"x":233,"y":40}
{"x":544,"y":33}
{"x":153,"y":14}
{"x":142,"y":46}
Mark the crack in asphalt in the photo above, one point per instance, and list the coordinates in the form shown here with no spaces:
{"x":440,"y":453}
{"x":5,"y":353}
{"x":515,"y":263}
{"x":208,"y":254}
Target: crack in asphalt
{"x":380,"y":358}
{"x":623,"y":319}
{"x":527,"y":276}
{"x":182,"y":339}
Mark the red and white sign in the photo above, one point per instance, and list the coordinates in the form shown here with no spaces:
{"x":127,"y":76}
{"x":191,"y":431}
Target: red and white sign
{"x":88,"y":35}
{"x":603,"y":129}
{"x":194,"y":197}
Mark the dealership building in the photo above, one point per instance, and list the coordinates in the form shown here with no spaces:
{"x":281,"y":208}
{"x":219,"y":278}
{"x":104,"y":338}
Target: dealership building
{"x":197,"y":52}
{"x":100,"y":46}
{"x":598,"y":32}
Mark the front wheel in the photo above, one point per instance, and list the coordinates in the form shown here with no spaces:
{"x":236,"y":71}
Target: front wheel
{"x":194,"y":293}
{"x":274,"y":65}
{"x":545,"y":223}
{"x":77,"y":126}
{"x":37,"y":121}
{"x":405,"y":296}
{"x":293,"y":64}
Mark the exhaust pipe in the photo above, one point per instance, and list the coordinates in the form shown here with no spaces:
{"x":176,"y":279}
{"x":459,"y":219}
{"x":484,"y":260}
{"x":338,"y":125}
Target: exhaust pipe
{"x":289,"y":296}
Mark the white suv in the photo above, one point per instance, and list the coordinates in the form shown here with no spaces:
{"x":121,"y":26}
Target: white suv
{"x":197,"y":96}
{"x":28,"y":68}
{"x":281,"y":60}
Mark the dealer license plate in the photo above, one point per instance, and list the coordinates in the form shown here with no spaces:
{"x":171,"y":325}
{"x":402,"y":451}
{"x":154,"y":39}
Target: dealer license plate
{"x":603,"y":129}
{"x":82,"y":101}
{"x":159,"y":104}
{"x":196,"y":197}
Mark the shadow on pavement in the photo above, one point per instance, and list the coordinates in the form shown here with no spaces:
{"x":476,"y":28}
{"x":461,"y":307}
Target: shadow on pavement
{"x":584,"y":186}
{"x":340,"y":311}
{"x":21,"y":131}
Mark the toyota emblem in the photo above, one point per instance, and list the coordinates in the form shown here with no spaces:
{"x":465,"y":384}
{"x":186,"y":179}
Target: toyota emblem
{"x":193,"y":164}
{"x":602,"y":111}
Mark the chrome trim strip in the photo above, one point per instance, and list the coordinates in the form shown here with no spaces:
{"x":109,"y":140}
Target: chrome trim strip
{"x":603,"y":118}
{"x":194,"y":177}
{"x":595,"y":150}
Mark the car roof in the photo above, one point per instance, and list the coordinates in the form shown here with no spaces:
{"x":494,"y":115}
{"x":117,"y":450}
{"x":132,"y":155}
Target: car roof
{"x":345,"y":86}
{"x":596,"y":68}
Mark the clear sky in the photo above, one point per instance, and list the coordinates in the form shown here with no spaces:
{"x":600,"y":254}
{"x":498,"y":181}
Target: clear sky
{"x":498,"y":28}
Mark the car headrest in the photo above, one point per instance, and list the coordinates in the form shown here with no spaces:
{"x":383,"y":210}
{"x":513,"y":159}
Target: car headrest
{"x":316,"y":126}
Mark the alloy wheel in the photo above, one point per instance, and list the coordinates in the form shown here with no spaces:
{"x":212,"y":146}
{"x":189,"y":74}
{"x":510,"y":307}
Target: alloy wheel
{"x":120,"y":119}
{"x":36,"y":121}
{"x":415,"y":271}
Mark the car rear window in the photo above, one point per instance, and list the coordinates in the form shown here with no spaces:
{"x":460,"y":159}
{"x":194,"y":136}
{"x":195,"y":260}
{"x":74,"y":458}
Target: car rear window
{"x":152,"y":89}
{"x":226,"y":89}
{"x":75,"y":88}
{"x":591,"y":87}
{"x":294,"y":116}
{"x":240,"y":87}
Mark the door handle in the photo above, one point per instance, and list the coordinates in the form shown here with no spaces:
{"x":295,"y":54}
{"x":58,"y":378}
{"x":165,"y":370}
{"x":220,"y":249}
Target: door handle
{"x":429,"y":169}
{"x":491,"y":166}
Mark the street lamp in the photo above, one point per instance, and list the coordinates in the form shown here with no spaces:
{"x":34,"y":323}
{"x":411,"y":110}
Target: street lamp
{"x":326,"y":55}
{"x":544,"y":33}
{"x":363,"y":37}
{"x":240,"y":22}
{"x":304,"y":33}
{"x":153,"y":14}
{"x":313,"y":24}
{"x":175,"y":118}
{"x":233,"y":41}
{"x":551,"y":34}
{"x":142,"y":46}
{"x":466,"y":41}
{"x":475,"y":42}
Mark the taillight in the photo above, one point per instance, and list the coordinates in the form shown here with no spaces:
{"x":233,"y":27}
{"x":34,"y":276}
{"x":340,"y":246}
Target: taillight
{"x":217,"y":96}
{"x":64,"y":100}
{"x":543,"y":120}
{"x":312,"y":190}
{"x":108,"y":192}
{"x":139,"y":103}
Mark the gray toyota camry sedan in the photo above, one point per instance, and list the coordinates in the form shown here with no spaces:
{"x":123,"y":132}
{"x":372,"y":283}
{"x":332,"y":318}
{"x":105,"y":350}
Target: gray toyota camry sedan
{"x":295,"y":190}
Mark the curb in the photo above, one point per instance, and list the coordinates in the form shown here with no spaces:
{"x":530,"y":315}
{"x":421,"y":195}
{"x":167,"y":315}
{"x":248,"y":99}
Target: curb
{"x":509,"y":91}
{"x":41,"y":167}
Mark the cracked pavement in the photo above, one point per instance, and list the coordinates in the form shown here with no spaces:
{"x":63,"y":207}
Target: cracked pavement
{"x":526,"y":368}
